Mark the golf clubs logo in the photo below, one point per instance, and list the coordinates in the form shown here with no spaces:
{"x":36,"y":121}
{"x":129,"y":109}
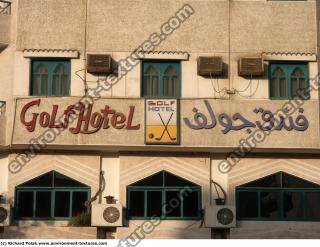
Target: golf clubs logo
{"x":162,"y":121}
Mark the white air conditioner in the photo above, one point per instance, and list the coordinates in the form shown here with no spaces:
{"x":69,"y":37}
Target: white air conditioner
{"x":219,"y":216}
{"x":110,"y":215}
{"x":4,"y":214}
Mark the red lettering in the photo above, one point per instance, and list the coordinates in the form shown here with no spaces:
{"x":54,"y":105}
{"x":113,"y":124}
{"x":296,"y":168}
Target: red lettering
{"x":44,"y":119}
{"x":130,"y":117}
{"x":32,"y":123}
{"x":118,"y":120}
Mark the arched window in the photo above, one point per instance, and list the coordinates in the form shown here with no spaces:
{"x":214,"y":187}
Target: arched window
{"x":280,"y":196}
{"x":170,"y":82}
{"x":161,"y":79}
{"x":40,"y":83}
{"x":298,"y":81}
{"x":50,"y":78}
{"x":60,"y":81}
{"x":51,"y":196}
{"x":278,"y":83}
{"x":151,"y":82}
{"x":164,"y":195}
{"x":289,"y":80}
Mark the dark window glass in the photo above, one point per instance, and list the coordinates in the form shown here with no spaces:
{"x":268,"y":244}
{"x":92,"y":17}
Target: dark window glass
{"x":273,"y":180}
{"x":173,"y":204}
{"x":191,"y":203}
{"x":41,"y":181}
{"x":173,"y":180}
{"x":248,"y":204}
{"x":293,"y":205}
{"x":62,"y":204}
{"x":270,"y":204}
{"x":43,"y":204}
{"x":290,"y":181}
{"x":137,"y":203}
{"x":64,"y":181}
{"x":25,"y":204}
{"x":154,"y":203}
{"x":166,"y":195}
{"x":154,"y":180}
{"x":46,"y":206}
{"x":78,"y":202}
{"x":312,"y":205}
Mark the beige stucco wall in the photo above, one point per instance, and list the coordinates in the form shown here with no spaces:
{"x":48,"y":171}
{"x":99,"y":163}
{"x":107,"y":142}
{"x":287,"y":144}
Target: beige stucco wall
{"x":122,"y":25}
{"x":81,"y":167}
{"x":4,"y":174}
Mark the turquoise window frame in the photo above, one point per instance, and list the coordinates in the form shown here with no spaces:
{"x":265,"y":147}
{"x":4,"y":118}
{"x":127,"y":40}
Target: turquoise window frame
{"x":281,"y":191}
{"x":52,"y":190}
{"x":161,"y":67}
{"x":288,"y":68}
{"x":50,"y":65}
{"x":163,"y":190}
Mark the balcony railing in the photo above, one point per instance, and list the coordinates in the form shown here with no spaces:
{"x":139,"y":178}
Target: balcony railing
{"x":5,"y":7}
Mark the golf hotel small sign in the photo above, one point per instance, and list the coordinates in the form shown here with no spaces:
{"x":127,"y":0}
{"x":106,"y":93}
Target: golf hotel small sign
{"x":161,"y":121}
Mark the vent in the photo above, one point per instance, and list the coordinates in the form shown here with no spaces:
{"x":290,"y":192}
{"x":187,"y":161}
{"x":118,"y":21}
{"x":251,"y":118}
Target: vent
{"x":208,"y":66}
{"x":220,"y":216}
{"x":100,"y":64}
{"x":4,"y":215}
{"x":251,"y":66}
{"x":107,"y":215}
{"x":225,"y":216}
{"x":111,"y":214}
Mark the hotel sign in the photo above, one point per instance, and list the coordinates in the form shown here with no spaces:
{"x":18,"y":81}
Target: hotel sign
{"x":87,"y":120}
{"x":161,"y":122}
{"x":197,"y":124}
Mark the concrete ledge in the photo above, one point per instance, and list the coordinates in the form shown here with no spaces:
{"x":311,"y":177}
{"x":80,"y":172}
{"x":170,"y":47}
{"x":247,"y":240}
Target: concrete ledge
{"x":15,"y":232}
{"x":27,"y":53}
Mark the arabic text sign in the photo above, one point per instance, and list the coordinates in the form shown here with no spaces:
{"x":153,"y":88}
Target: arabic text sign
{"x":268,"y":120}
{"x":161,"y":121}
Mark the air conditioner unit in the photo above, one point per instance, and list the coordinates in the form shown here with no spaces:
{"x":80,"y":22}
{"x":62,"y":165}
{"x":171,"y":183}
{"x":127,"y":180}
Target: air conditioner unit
{"x":110,"y":215}
{"x":4,"y":214}
{"x":251,"y":66}
{"x":217,"y":216}
{"x":100,"y":64}
{"x":208,"y":66}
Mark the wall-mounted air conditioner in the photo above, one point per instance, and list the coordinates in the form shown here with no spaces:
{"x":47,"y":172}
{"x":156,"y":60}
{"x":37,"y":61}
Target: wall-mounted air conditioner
{"x":100,"y":64}
{"x":108,"y":215}
{"x":210,"y":66}
{"x":4,"y":214}
{"x":220,"y":216}
{"x":251,"y":66}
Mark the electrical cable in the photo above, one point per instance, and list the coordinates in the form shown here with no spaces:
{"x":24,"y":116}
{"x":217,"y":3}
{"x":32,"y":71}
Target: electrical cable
{"x":249,"y":96}
{"x":250,"y":82}
{"x":220,"y":187}
{"x":101,"y":188}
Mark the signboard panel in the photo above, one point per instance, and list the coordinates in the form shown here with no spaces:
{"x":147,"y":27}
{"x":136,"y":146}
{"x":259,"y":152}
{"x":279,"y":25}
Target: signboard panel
{"x":162,"y":123}
{"x":193,"y":124}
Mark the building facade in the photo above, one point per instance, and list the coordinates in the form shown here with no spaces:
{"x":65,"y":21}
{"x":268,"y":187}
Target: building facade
{"x":245,"y":134}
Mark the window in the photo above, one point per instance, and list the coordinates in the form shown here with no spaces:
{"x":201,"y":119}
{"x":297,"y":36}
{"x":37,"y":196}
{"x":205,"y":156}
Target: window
{"x":51,"y":196}
{"x":50,"y":78}
{"x":280,"y":196}
{"x":164,"y":195}
{"x":161,"y":79}
{"x":286,"y":80}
